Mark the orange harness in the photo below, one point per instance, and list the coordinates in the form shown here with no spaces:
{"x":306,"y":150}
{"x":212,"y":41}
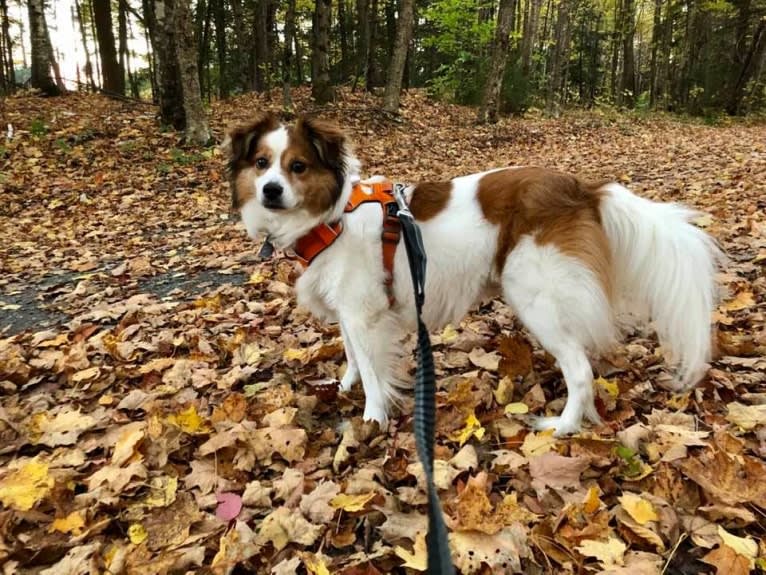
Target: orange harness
{"x":323,"y":236}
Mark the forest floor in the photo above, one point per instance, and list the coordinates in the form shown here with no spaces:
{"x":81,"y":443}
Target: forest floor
{"x":166,"y":408}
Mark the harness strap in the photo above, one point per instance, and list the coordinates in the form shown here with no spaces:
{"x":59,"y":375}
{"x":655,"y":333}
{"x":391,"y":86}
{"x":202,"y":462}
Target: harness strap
{"x":323,"y":236}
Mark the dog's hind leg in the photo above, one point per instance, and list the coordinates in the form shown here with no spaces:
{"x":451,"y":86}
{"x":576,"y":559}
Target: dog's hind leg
{"x":561,"y":302}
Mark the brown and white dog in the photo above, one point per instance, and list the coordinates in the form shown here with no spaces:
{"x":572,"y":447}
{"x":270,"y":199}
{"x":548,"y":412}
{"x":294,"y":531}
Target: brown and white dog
{"x":569,"y":257}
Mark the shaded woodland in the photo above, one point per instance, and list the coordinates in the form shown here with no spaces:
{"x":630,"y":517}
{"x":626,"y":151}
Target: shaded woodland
{"x":502,"y":56}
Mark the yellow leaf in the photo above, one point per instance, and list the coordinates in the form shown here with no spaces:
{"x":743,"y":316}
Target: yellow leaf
{"x":213,"y":303}
{"x":251,"y":353}
{"x":351,"y":503}
{"x":517,"y":408}
{"x":137,"y":534}
{"x":609,"y":552}
{"x":538,"y":443}
{"x":610,"y":386}
{"x":746,"y":416}
{"x":85,"y":374}
{"x":741,"y":545}
{"x":448,"y":334}
{"x":472,"y":428}
{"x":743,"y":300}
{"x":163,"y":491}
{"x":72,"y":523}
{"x":315,"y":565}
{"x":294,"y":354}
{"x":106,"y":400}
{"x":257,"y":277}
{"x":641,"y":510}
{"x":189,"y":421}
{"x":131,"y":435}
{"x":25,"y":486}
{"x":592,"y":502}
{"x":418,"y":559}
{"x":679,"y":401}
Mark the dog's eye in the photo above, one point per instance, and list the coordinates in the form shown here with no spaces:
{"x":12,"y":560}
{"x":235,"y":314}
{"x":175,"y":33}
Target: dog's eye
{"x":261,"y":163}
{"x":298,"y":167}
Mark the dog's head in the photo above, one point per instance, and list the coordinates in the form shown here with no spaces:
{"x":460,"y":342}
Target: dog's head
{"x":288,"y":178}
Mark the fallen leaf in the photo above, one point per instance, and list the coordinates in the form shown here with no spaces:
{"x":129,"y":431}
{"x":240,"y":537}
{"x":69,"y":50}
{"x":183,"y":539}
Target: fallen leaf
{"x":351,"y":503}
{"x":26,"y":485}
{"x":609,"y":552}
{"x":418,"y":558}
{"x":638,"y":508}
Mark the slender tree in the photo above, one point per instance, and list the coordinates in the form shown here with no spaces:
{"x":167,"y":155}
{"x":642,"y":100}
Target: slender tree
{"x":398,"y":56}
{"x":287,"y":55}
{"x":113,"y":75}
{"x":628,"y":79}
{"x":321,"y":88}
{"x":85,"y":49}
{"x":42,"y":53}
{"x":491,"y":98}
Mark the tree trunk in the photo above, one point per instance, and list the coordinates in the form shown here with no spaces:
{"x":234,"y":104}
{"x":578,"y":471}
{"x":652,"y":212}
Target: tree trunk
{"x":241,"y":69}
{"x":490,"y":101}
{"x":262,"y":52}
{"x":84,"y":39}
{"x":41,"y":50}
{"x":370,"y":74}
{"x":345,"y":49}
{"x":321,"y":89}
{"x":398,"y":57}
{"x":220,"y":48}
{"x":362,"y":38}
{"x":528,"y":35}
{"x":615,"y":52}
{"x":10,"y":76}
{"x":196,"y":130}
{"x":628,"y":80}
{"x":753,"y":56}
{"x":559,"y":51}
{"x":653,"y":63}
{"x":113,"y":77}
{"x":287,"y":56}
{"x":160,"y":18}
{"x":122,"y":37}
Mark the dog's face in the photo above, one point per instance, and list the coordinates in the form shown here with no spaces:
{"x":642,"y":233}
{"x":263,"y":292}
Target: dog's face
{"x":286,"y":179}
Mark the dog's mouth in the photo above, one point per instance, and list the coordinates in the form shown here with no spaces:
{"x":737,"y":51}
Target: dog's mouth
{"x":274,"y":205}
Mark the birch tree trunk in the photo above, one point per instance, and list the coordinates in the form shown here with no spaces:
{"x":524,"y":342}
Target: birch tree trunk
{"x":398,"y":57}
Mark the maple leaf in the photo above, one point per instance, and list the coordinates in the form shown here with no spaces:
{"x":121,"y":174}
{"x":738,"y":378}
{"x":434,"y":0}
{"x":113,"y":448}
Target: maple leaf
{"x":538,"y":443}
{"x":418,"y":558}
{"x":638,"y":508}
{"x":501,"y":552}
{"x":352,"y":503}
{"x":472,"y":428}
{"x":63,"y":429}
{"x":283,"y":526}
{"x":746,"y":417}
{"x":609,"y":552}
{"x":237,"y":545}
{"x":73,"y":523}
{"x":25,"y":485}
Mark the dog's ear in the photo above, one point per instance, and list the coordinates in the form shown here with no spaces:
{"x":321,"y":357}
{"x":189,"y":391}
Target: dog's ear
{"x":240,"y":141}
{"x":329,"y":142}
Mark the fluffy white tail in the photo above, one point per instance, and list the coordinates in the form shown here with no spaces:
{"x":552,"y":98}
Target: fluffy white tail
{"x":664,"y":269}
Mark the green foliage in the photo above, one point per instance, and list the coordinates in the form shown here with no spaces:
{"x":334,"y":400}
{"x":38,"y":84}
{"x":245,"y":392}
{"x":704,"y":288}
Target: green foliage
{"x":38,"y":128}
{"x":460,"y":38}
{"x":184,"y":158}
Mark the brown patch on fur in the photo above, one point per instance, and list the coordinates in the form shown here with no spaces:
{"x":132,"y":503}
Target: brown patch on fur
{"x":557,"y":208}
{"x":429,"y":198}
{"x":241,"y":145}
{"x":320,"y":146}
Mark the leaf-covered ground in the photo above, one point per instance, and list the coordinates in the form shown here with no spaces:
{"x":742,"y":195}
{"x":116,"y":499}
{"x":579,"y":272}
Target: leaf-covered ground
{"x":167,"y":409}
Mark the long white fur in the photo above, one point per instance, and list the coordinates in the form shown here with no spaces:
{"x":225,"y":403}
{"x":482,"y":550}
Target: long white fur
{"x":662,"y":265}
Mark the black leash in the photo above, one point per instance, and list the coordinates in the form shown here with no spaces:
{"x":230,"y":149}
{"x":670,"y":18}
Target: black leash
{"x":439,"y":557}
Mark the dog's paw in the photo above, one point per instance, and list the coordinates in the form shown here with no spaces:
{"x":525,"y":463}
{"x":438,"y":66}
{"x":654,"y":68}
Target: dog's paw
{"x":348,"y":380}
{"x":561,"y":426}
{"x":375,"y":413}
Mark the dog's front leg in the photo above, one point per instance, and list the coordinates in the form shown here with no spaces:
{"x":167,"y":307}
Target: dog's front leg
{"x":370,"y":347}
{"x":352,"y":369}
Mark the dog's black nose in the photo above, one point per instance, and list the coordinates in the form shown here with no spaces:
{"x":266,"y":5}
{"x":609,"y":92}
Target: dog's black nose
{"x":272,"y":191}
